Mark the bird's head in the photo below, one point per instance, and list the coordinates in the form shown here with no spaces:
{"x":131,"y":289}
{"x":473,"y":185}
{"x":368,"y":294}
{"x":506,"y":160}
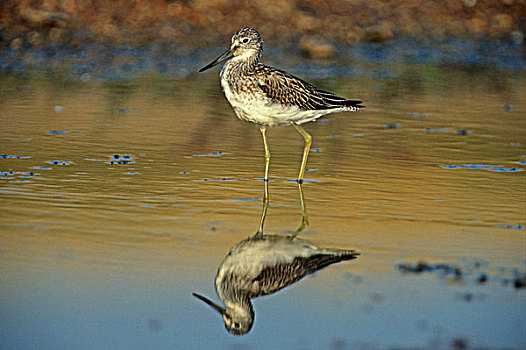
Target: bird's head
{"x":237,"y":318}
{"x":246,"y":43}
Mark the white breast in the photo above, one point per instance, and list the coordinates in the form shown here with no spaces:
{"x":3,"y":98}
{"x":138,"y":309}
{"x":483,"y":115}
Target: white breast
{"x":257,"y":108}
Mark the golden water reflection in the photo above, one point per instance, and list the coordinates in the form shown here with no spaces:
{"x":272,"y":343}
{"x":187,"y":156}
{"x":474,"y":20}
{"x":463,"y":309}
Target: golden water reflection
{"x":152,"y":180}
{"x":262,"y":265}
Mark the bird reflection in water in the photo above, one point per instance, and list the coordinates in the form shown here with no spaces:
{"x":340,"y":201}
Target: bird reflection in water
{"x":262,"y":265}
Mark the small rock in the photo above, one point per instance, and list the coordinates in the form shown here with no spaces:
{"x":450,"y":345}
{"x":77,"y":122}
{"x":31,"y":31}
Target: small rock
{"x":469,"y":3}
{"x":517,"y":37}
{"x":477,"y":24}
{"x":380,"y":33}
{"x":501,"y":24}
{"x":56,"y":34}
{"x":35,"y":38}
{"x":43,"y":17}
{"x":16,"y":44}
{"x":85,"y":77}
{"x":311,"y":47}
{"x":306,"y":22}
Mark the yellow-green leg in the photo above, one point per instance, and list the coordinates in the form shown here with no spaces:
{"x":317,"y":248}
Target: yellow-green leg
{"x":259,"y":233}
{"x":304,"y":218}
{"x":308,"y":141}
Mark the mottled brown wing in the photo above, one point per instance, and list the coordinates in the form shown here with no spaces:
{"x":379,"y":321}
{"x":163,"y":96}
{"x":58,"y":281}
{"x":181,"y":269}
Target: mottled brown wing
{"x":281,"y":87}
{"x":274,"y":278}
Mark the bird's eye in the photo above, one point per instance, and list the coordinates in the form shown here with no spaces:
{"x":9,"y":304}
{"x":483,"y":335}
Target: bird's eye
{"x":245,"y":41}
{"x":236,"y":325}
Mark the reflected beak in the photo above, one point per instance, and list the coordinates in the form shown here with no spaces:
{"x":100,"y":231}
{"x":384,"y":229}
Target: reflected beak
{"x":228,"y":54}
{"x":215,"y":306}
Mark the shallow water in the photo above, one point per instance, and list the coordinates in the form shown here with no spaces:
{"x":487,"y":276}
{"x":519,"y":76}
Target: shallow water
{"x":120,"y":197}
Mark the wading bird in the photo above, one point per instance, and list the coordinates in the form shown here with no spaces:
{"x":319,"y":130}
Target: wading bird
{"x":262,"y":265}
{"x":270,"y":97}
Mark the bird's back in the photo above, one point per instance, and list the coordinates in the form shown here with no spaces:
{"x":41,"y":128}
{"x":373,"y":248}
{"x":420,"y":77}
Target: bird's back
{"x":284,"y":88}
{"x":273,"y":278}
{"x":257,"y":267}
{"x":269,"y":96}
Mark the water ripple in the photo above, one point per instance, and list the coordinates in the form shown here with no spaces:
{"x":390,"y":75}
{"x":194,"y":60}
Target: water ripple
{"x":497,"y":168}
{"x":7,"y":156}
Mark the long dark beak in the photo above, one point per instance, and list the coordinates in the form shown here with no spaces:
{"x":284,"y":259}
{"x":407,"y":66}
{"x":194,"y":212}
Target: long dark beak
{"x":228,"y":54}
{"x":215,"y":306}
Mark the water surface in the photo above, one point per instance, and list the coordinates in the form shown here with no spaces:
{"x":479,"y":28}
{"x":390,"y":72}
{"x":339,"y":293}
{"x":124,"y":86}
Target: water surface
{"x":120,"y":197}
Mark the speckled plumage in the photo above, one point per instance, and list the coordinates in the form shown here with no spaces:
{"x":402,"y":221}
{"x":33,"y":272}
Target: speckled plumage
{"x":263,"y":265}
{"x":268,"y":96}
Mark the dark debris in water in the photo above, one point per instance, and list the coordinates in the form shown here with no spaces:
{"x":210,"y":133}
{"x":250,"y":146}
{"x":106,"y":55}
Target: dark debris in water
{"x":8,"y":156}
{"x":9,"y":175}
{"x":422,"y":266}
{"x":511,"y":226}
{"x":392,"y":126}
{"x":509,"y":108}
{"x":469,"y":297}
{"x":117,"y":159}
{"x":456,"y":274}
{"x":59,"y":162}
{"x":497,"y":168}
{"x":519,"y":281}
{"x":460,"y":132}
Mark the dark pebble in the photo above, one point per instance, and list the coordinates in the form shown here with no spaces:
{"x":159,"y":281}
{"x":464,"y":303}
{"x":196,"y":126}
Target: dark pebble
{"x":468,"y":297}
{"x":391,"y":126}
{"x":483,"y":278}
{"x":519,"y":282}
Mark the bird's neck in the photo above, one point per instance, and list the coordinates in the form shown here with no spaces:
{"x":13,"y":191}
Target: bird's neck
{"x":244,"y":64}
{"x":241,"y":307}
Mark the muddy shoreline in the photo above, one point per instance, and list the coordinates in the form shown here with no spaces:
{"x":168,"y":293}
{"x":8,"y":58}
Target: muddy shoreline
{"x":313,"y":26}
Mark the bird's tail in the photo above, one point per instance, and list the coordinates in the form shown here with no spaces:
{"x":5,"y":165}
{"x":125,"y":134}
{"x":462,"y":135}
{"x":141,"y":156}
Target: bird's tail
{"x":344,"y":254}
{"x":353,"y":103}
{"x":329,"y":100}
{"x":331,"y":256}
